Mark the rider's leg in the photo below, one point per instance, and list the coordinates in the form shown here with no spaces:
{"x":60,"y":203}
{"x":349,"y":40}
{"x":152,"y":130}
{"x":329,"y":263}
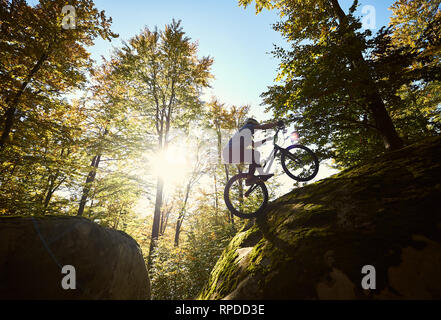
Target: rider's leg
{"x":255,"y":164}
{"x":256,"y":158}
{"x":252,"y":169}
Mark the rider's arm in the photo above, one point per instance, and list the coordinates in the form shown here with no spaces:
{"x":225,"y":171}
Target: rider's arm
{"x":266,"y":126}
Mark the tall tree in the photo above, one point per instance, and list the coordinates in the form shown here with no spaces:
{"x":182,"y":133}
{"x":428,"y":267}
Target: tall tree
{"x":165,"y":78}
{"x":333,"y":81}
{"x":48,"y":158}
{"x":113,"y":132}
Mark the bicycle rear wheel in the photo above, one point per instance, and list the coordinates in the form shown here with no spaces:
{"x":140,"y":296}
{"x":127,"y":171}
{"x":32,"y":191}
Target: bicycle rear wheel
{"x":245,"y":201}
{"x":299,"y":163}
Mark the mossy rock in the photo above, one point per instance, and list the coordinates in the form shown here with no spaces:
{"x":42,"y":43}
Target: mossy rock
{"x":313,"y":242}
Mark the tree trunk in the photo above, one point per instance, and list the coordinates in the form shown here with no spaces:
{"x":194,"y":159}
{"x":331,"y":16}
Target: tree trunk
{"x":384,"y":124}
{"x":9,"y":121}
{"x":89,"y":180}
{"x":164,"y":221}
{"x":50,"y":190}
{"x":227,"y":173}
{"x":182,"y":215}
{"x":216,"y":198}
{"x":156,"y":216}
{"x":47,"y":200}
{"x":10,"y":111}
{"x":178,"y":230}
{"x":162,"y":147}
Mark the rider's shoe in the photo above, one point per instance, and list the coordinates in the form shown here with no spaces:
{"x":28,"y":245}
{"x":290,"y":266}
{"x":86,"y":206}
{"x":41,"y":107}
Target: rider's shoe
{"x":250,"y":180}
{"x":265,"y":177}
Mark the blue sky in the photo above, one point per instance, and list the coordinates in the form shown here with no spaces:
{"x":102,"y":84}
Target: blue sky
{"x":239,"y":41}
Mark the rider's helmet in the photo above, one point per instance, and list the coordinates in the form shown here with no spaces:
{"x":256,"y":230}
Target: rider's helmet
{"x":251,"y":121}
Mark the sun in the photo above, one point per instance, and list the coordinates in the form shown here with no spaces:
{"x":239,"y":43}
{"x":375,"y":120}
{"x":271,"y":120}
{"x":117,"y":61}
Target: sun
{"x":172,"y":165}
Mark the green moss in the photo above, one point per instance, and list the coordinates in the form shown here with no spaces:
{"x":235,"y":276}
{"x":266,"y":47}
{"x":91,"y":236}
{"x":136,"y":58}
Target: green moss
{"x":226,"y":275}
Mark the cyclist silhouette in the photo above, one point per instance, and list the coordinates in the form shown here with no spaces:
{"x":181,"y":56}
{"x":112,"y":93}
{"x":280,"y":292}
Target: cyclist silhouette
{"x":241,"y":149}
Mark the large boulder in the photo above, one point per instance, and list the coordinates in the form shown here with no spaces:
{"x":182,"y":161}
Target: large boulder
{"x":105,"y":263}
{"x":370,"y":232}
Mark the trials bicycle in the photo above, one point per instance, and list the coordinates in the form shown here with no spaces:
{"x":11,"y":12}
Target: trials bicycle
{"x":298,"y":162}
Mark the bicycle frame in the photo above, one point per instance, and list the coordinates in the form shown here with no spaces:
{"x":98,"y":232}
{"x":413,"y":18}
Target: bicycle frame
{"x":273,"y":154}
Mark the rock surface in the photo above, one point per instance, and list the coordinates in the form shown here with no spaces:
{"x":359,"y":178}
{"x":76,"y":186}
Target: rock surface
{"x":108,"y":263}
{"x":314,"y":242}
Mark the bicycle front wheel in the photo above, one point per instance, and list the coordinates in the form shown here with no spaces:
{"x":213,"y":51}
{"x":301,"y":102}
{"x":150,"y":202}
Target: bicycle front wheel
{"x":245,"y":201}
{"x":299,"y":163}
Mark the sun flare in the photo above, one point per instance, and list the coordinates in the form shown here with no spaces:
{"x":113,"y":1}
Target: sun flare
{"x":172,"y":165}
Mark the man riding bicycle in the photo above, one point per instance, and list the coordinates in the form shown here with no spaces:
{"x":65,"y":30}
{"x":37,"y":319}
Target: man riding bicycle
{"x":241,"y":149}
